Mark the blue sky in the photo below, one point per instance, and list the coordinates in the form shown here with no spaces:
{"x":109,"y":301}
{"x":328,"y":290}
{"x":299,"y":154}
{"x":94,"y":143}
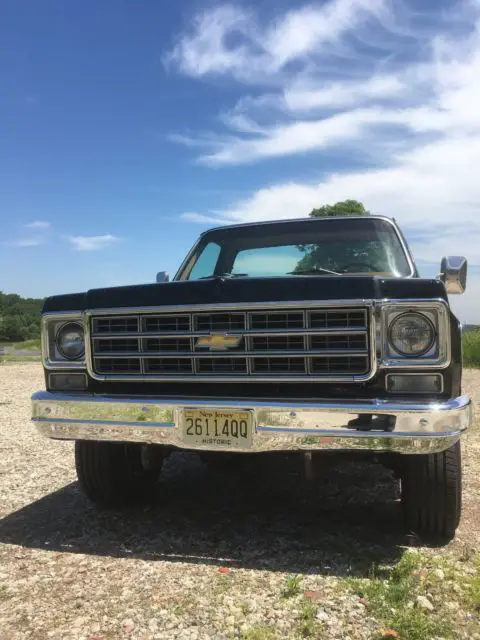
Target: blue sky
{"x":128,"y":128}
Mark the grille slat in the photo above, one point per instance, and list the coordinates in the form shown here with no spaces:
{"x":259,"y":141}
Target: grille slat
{"x":318,"y":343}
{"x":280,"y":366}
{"x":222,"y":365}
{"x":167,"y":344}
{"x":211,"y":322}
{"x":166,"y":324}
{"x":277,"y":320}
{"x":114,"y":324}
{"x":169,"y":365}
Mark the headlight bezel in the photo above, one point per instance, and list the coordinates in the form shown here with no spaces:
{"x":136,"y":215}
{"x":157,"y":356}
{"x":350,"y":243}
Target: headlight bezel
{"x":52,"y":357}
{"x":437,"y":313}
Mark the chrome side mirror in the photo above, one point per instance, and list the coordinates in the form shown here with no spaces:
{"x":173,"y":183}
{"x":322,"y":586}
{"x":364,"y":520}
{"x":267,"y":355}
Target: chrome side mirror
{"x":454,"y":273}
{"x":162,"y":276}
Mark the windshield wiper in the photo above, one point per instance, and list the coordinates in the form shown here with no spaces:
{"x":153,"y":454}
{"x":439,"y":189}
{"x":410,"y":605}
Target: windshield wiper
{"x":313,"y":271}
{"x":225,"y":275}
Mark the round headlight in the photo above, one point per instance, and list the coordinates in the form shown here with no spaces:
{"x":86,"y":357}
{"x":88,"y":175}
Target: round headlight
{"x":70,"y":341}
{"x":412,"y":334}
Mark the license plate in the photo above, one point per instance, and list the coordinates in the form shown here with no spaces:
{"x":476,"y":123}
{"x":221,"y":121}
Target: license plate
{"x":212,"y":428}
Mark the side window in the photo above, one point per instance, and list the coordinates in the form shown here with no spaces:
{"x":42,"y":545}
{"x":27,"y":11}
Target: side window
{"x":205,"y":264}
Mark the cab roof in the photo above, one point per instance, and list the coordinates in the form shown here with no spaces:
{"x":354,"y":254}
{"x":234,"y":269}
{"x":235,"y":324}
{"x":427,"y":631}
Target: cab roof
{"x":311,"y":220}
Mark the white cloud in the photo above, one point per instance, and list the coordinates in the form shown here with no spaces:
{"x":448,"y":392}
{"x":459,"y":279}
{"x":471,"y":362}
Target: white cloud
{"x":429,"y":188}
{"x":38,"y":234}
{"x":298,"y":137}
{"x":196,"y":217}
{"x":306,"y":96}
{"x":92,"y":243}
{"x":230,"y":40}
{"x":27,"y":242}
{"x":37,"y":224}
{"x":330,"y":91}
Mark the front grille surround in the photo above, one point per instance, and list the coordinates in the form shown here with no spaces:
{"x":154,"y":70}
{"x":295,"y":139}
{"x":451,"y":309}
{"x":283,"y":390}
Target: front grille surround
{"x":280,"y":342}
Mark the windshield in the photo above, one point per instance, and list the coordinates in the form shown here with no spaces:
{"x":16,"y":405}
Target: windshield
{"x":309,"y":247}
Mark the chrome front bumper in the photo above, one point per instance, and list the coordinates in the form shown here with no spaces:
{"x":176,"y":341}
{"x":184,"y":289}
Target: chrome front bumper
{"x":404,"y":427}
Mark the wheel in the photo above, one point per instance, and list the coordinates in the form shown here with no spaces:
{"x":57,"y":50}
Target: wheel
{"x":111,"y":473}
{"x":432,"y":493}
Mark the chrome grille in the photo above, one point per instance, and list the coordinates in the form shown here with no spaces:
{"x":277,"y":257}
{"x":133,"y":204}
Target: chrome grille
{"x":294,"y":343}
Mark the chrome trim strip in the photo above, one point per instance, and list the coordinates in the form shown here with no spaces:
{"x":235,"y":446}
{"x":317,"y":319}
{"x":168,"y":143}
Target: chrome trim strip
{"x":411,"y":427}
{"x":257,"y":333}
{"x":230,"y":306}
{"x":186,"y":355}
{"x":333,"y":433}
{"x":163,"y":425}
{"x":143,"y":403}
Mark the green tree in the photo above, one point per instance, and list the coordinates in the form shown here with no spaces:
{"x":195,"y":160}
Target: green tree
{"x":19,"y":317}
{"x":361,"y":256}
{"x":344,"y":208}
{"x":14,"y":329}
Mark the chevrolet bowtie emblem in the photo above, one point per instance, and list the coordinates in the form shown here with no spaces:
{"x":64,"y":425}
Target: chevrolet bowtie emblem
{"x":218,"y":341}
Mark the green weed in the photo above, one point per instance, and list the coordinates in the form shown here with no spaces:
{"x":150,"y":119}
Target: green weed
{"x":391,"y":594}
{"x":292,"y":586}
{"x":308,"y":627}
{"x":258,"y":632}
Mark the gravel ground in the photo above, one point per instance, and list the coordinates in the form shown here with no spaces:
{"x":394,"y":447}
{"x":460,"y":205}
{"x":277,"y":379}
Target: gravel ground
{"x":253,"y":555}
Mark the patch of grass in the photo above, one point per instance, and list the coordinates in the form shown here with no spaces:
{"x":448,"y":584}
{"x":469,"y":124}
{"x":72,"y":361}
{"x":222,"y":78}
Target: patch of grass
{"x":414,"y":624}
{"x":8,"y":358}
{"x":308,"y":627}
{"x":391,"y":594}
{"x":259,"y":632}
{"x":223,"y":584}
{"x":292,"y":586}
{"x":28,"y":345}
{"x":471,"y":349}
{"x":245,"y":608}
{"x":181,"y":607}
{"x":473,"y":589}
{"x":468,"y":553}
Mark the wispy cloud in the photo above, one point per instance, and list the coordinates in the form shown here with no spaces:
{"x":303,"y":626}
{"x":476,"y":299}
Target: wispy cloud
{"x":231,"y":40}
{"x":37,"y":224}
{"x":38,"y":233}
{"x":27,"y":242}
{"x":197,"y":217}
{"x":359,"y":69}
{"x":92,"y":243}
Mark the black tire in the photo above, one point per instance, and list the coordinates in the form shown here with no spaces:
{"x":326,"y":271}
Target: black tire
{"x":432,"y":493}
{"x":112,"y":474}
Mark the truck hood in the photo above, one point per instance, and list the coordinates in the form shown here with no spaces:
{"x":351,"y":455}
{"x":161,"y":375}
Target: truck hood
{"x":242,"y":290}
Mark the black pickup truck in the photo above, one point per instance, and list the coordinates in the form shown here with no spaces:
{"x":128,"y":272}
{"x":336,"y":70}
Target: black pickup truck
{"x":308,"y":336}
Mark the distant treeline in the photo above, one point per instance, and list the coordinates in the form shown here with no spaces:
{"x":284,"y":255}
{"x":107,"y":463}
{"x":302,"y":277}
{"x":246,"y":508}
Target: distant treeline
{"x":471,"y":327}
{"x":19,"y":317}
